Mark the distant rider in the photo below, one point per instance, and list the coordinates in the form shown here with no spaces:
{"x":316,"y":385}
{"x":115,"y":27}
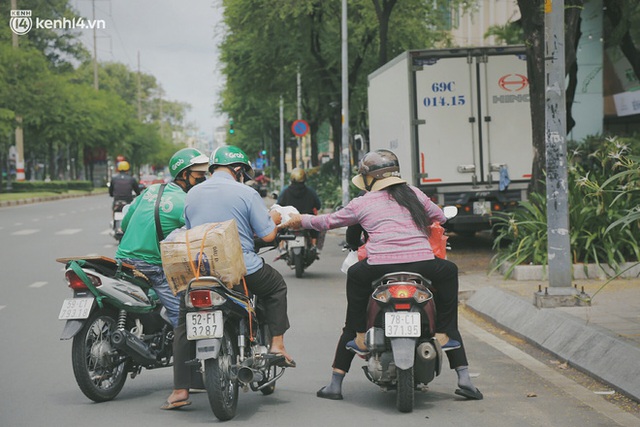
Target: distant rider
{"x":123,"y":185}
{"x":301,"y":197}
{"x":140,"y":244}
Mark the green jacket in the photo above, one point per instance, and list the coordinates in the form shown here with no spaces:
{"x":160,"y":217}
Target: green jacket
{"x":140,"y":240}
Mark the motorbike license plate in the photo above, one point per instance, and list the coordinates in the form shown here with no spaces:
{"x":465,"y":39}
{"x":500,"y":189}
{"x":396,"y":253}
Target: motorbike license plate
{"x":482,"y":208}
{"x":75,"y":308}
{"x":204,"y":324}
{"x":297,"y":243}
{"x":402,"y":324}
{"x":118,"y":216}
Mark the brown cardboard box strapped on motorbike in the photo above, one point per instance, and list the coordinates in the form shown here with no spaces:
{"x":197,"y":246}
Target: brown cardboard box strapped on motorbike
{"x":214,"y":249}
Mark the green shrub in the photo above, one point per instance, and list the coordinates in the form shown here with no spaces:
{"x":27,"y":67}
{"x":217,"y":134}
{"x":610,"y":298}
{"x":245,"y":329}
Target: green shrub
{"x":604,"y":210}
{"x":52,"y":186}
{"x":327,"y":181}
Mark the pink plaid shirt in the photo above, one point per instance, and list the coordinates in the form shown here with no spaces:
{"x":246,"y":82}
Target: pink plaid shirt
{"x":393,"y":236}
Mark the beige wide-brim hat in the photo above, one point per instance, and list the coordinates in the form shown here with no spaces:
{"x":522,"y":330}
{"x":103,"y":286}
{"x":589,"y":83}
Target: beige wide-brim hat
{"x":202,"y":167}
{"x":380,"y":184}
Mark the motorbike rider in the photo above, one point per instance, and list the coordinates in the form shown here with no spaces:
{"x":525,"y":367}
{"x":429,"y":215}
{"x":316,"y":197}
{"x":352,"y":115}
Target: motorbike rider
{"x":223,"y":197}
{"x":301,"y":197}
{"x":140,"y":245}
{"x":396,"y":217}
{"x":123,"y":185}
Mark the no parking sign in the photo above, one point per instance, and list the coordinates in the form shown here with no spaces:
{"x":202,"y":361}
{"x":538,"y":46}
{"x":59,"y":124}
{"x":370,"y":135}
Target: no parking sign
{"x":300,"y":128}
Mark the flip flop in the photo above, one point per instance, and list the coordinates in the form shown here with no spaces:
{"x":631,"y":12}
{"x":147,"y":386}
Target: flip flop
{"x":284,"y":363}
{"x":175,"y":405}
{"x":469,"y":394}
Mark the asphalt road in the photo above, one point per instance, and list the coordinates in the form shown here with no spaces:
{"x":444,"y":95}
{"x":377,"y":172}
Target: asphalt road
{"x":38,"y":387}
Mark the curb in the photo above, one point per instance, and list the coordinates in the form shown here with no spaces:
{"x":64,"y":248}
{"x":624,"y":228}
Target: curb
{"x":589,"y":348}
{"x":18,"y":202}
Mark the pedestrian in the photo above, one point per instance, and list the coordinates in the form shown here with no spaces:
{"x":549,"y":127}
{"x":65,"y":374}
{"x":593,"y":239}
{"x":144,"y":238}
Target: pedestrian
{"x":396,"y":217}
{"x":223,"y":197}
{"x":149,"y":220}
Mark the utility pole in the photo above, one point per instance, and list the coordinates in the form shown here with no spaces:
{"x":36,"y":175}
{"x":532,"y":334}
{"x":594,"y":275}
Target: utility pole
{"x":95,"y":48}
{"x":299,"y":103}
{"x":20,"y":176}
{"x":281,"y":143}
{"x":344,"y":148}
{"x":560,"y":292}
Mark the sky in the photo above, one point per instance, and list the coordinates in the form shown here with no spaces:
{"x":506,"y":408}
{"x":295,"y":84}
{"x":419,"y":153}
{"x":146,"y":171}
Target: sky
{"x":177,"y":42}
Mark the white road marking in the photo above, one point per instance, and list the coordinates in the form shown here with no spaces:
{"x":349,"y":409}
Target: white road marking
{"x":37,"y":284}
{"x":17,"y":224}
{"x":107,"y":231}
{"x":549,"y":374}
{"x":69,"y":231}
{"x":2,"y":306}
{"x":25,"y":232}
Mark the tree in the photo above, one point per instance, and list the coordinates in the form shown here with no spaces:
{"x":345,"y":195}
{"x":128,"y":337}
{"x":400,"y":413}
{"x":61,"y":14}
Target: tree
{"x":623,"y":29}
{"x":532,"y":12}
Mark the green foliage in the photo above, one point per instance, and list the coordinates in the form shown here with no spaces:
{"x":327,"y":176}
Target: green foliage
{"x":52,"y":186}
{"x":510,"y":34}
{"x":604,"y":210}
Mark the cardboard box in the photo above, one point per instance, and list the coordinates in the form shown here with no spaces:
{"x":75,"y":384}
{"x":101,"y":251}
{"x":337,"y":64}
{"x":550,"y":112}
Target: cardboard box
{"x":214,"y":248}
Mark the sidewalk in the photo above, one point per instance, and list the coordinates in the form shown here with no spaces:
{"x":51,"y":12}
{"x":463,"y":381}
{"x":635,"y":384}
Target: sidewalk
{"x":602,"y":340}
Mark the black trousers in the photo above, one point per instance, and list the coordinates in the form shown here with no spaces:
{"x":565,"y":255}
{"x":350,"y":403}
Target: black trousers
{"x":271,"y":289}
{"x":444,"y":277}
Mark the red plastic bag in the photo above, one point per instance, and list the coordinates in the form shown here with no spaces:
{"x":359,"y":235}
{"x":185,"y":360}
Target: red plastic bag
{"x":438,"y":240}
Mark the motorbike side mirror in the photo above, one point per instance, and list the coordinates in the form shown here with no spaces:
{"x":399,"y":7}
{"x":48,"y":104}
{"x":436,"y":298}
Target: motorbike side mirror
{"x":450,"y":211}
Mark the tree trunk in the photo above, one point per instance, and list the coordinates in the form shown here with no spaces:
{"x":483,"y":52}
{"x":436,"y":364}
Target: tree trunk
{"x":533,"y":18}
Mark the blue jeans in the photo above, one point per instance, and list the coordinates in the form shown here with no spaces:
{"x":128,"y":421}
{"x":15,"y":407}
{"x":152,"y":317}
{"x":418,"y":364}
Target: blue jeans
{"x":158,"y":280}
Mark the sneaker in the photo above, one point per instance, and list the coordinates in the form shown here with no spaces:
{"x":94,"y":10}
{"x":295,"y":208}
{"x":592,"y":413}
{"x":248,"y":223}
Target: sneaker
{"x":451,"y":345}
{"x":352,"y":346}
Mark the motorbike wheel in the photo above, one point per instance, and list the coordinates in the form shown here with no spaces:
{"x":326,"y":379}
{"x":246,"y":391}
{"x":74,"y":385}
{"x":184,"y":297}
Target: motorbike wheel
{"x":405,"y":392}
{"x":99,"y":371}
{"x":221,"y":383}
{"x":298,"y":262}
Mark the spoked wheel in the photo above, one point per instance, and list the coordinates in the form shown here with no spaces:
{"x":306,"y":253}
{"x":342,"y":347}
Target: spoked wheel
{"x":298,"y":261}
{"x":99,"y":370}
{"x":405,"y":392}
{"x":220,"y":381}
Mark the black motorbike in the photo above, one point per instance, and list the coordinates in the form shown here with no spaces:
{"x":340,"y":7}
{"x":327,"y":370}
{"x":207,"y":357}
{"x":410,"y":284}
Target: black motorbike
{"x":232,"y":341}
{"x":117,"y":324}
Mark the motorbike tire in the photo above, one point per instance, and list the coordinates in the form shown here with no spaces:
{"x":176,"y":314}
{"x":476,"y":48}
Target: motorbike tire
{"x":298,"y":262}
{"x":221,"y":383}
{"x":98,"y":371}
{"x":405,"y":392}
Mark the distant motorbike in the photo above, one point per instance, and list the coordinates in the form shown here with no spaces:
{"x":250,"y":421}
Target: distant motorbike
{"x":299,"y":253}
{"x":117,"y":324}
{"x":118,"y":215}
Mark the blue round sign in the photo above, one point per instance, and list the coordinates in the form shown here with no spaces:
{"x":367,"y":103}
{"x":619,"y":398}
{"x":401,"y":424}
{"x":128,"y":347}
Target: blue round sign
{"x":300,"y":128}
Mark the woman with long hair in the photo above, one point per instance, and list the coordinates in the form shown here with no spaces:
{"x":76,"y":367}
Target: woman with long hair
{"x":396,"y":217}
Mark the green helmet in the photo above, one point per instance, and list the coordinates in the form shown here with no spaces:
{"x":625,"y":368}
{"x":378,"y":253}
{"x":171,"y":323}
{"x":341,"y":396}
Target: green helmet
{"x":187,"y":157}
{"x":230,"y":155}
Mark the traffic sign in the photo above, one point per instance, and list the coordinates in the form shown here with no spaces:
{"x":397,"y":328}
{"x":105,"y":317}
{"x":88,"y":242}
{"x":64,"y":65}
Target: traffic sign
{"x":300,"y":128}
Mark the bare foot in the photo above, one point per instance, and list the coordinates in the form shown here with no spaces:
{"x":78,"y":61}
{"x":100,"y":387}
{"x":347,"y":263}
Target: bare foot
{"x":178,"y":395}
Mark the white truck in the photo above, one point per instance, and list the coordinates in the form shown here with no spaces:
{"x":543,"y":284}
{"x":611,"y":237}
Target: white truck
{"x":459,"y":121}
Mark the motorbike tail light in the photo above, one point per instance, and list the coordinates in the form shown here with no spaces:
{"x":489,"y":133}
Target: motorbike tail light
{"x":402,"y":291}
{"x":205,"y":298}
{"x":77,"y":284}
{"x":403,"y":306}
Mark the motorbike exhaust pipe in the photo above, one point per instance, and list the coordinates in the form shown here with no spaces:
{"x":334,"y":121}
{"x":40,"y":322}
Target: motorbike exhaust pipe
{"x":127,"y":342}
{"x":247,"y":375}
{"x":426,"y":351}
